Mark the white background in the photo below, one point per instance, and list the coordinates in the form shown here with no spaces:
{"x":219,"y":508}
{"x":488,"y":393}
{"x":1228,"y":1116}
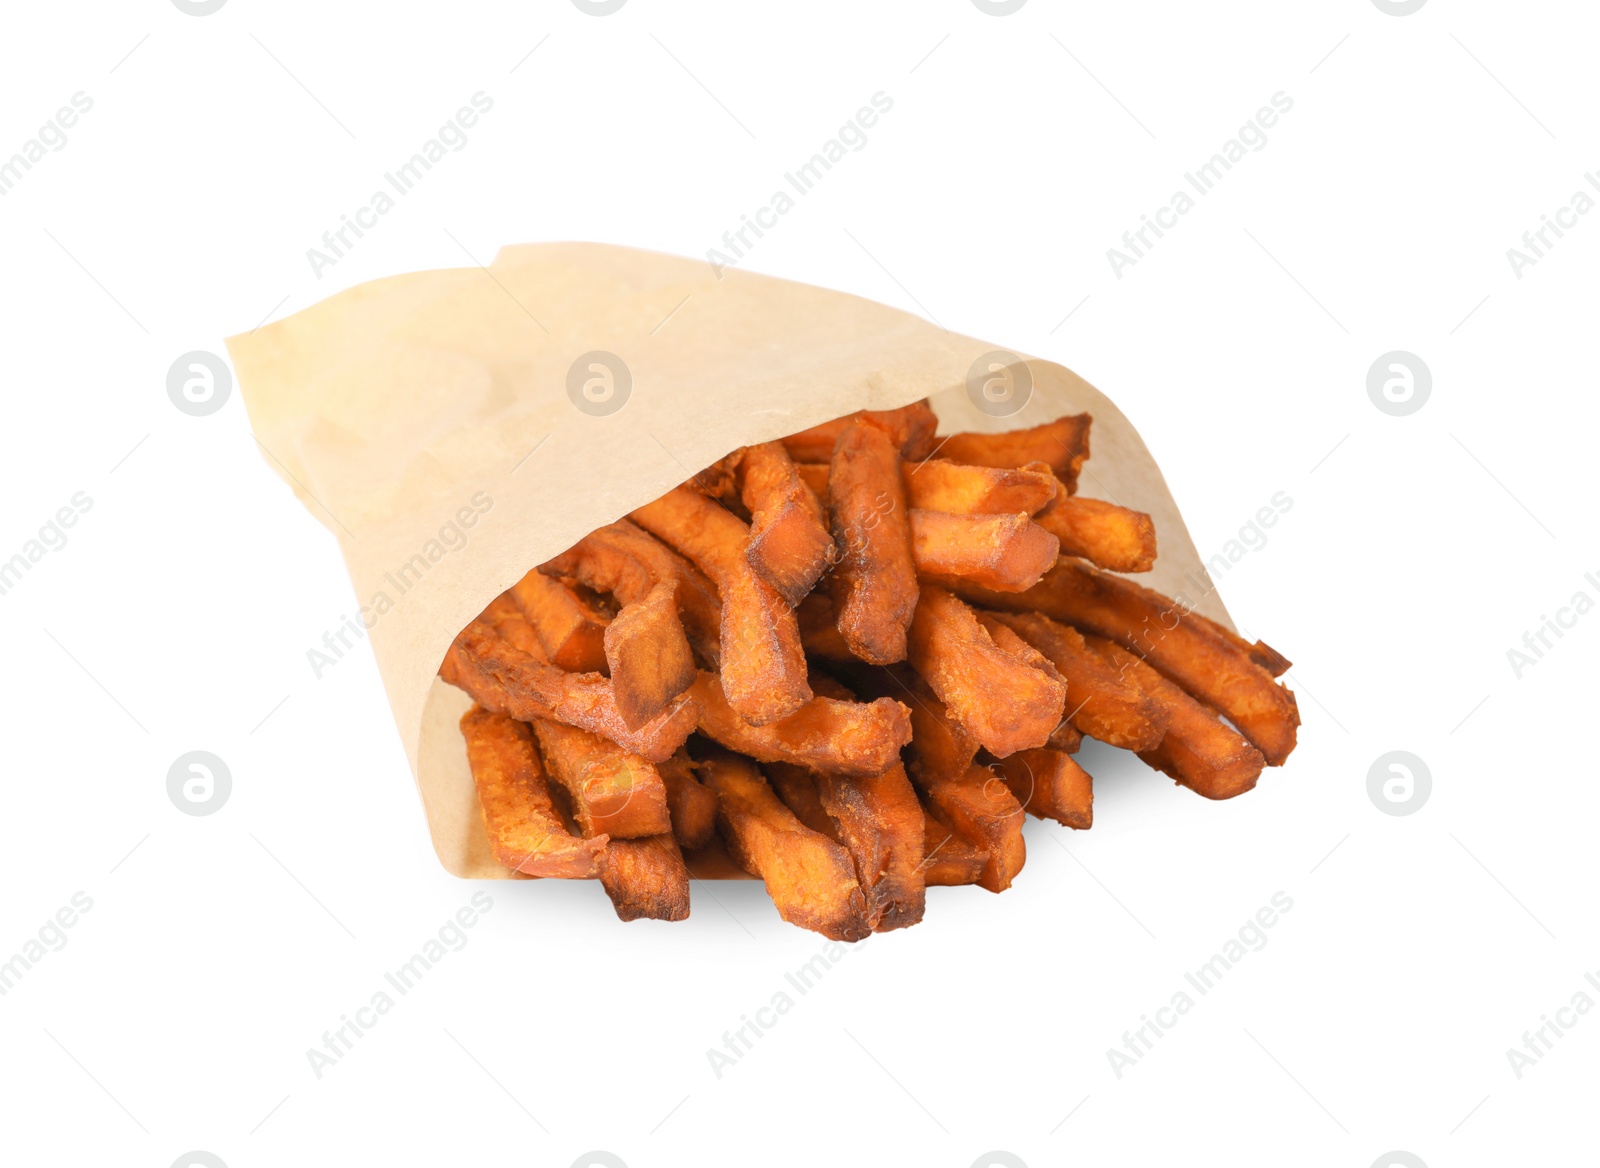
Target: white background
{"x":1417,"y":552}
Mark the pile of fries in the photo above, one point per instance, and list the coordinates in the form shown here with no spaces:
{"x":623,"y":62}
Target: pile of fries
{"x":846,"y":662}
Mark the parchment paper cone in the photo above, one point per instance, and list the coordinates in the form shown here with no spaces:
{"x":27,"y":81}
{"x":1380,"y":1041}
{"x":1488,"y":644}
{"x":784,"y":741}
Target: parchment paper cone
{"x":403,"y":409}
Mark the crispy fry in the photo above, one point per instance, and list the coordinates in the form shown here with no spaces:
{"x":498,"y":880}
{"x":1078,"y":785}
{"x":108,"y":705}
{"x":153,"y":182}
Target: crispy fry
{"x":1005,"y":704}
{"x":763,"y":665}
{"x":963,"y":489}
{"x":646,"y":878}
{"x":1211,"y":667}
{"x":789,"y":542}
{"x":1063,"y":444}
{"x":911,"y":428}
{"x":855,"y":739}
{"x":874,"y":583}
{"x":1005,"y":552}
{"x":1101,"y":701}
{"x":808,"y":876}
{"x":1050,"y":785}
{"x":500,"y":665}
{"x":1199,"y":750}
{"x":949,"y":859}
{"x":650,"y":660}
{"x":878,"y":821}
{"x":692,"y":805}
{"x":819,"y":630}
{"x":1103,"y":533}
{"x":940,"y":746}
{"x":612,"y":792}
{"x":1066,"y":738}
{"x":815,"y":476}
{"x":628,"y":562}
{"x":525,"y":830}
{"x":982,"y":811}
{"x":571,"y":629}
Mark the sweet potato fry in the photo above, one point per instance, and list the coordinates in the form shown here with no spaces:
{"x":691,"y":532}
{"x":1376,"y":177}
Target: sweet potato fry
{"x":499,"y":662}
{"x":982,"y":811}
{"x":650,"y":660}
{"x":874,"y":583}
{"x":646,"y":878}
{"x":948,"y":859}
{"x":1004,"y":552}
{"x":1211,"y":667}
{"x":1050,"y":785}
{"x":691,"y":804}
{"x":1003,"y":703}
{"x":612,"y":792}
{"x":878,"y":821}
{"x":628,"y":562}
{"x":1063,"y":444}
{"x":854,"y":739}
{"x":809,"y":877}
{"x":790,"y":546}
{"x":1105,"y":534}
{"x":763,"y":665}
{"x":815,"y":476}
{"x":910,"y":427}
{"x":1198,"y":750}
{"x":571,"y":629}
{"x":940,"y":746}
{"x":1101,"y":701}
{"x":819,"y":630}
{"x":526,"y":832}
{"x":963,"y":489}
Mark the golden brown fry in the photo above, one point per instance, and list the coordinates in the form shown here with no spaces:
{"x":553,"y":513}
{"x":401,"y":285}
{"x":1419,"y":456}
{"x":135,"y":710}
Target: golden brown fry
{"x":789,"y":542}
{"x":1005,"y":704}
{"x":874,"y":583}
{"x":911,"y":428}
{"x":1103,"y":533}
{"x":948,"y":859}
{"x":612,"y":792}
{"x":1066,"y":738}
{"x":646,"y":878}
{"x":819,"y":630}
{"x":815,"y":476}
{"x":692,"y":805}
{"x":982,"y":810}
{"x":808,"y":876}
{"x":526,"y":832}
{"x":1063,"y":444}
{"x":1211,"y":667}
{"x":1005,"y":552}
{"x":963,"y":489}
{"x":502,"y":668}
{"x":940,"y":746}
{"x":878,"y":821}
{"x":1101,"y":701}
{"x":763,"y":665}
{"x":1198,"y":750}
{"x":649,"y":656}
{"x":571,"y":629}
{"x":1050,"y":785}
{"x":855,"y":739}
{"x":628,"y":562}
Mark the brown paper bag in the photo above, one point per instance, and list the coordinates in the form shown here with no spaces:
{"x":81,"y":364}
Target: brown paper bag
{"x":455,"y":428}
